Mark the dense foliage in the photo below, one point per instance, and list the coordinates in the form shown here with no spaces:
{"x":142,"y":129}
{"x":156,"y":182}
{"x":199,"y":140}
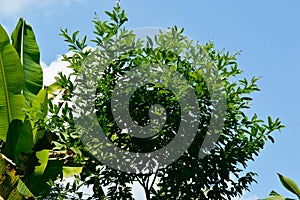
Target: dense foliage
{"x":40,"y":143}
{"x":28,"y":159}
{"x":219,"y":175}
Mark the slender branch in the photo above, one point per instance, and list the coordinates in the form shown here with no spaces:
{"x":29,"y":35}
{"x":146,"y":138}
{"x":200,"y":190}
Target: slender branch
{"x":147,"y":181}
{"x":140,"y":181}
{"x":155,"y":175}
{"x":144,"y":183}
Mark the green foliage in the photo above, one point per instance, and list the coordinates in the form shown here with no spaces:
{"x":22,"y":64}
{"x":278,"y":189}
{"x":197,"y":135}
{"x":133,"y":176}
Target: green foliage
{"x":23,"y":40}
{"x":11,"y":84}
{"x":288,"y":184}
{"x":11,"y":186}
{"x":40,"y":143}
{"x":23,"y":108}
{"x":219,"y":175}
{"x":19,"y":139}
{"x":26,"y":141}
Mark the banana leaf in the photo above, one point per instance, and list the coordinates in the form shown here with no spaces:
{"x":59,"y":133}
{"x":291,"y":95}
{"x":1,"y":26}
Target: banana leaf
{"x":11,"y":186}
{"x":12,"y":101}
{"x":23,"y":40}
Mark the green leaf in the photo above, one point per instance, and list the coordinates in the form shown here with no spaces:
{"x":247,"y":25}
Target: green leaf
{"x":23,"y":40}
{"x":11,"y":85}
{"x":43,"y":157}
{"x":273,"y":193}
{"x":71,"y":171}
{"x":14,"y":130}
{"x":276,"y":198}
{"x":271,"y":138}
{"x":290,"y":185}
{"x":53,"y":90}
{"x":23,"y":190}
{"x":39,"y":103}
{"x":11,"y":186}
{"x":38,"y":184}
{"x":25,"y":138}
{"x":38,"y":111}
{"x":19,"y":139}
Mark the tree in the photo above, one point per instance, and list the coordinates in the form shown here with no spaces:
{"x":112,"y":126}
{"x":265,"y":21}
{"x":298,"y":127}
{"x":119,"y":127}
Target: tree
{"x":218,"y":175}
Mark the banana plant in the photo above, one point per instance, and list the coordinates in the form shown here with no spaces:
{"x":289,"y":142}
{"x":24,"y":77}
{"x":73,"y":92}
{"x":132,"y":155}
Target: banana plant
{"x":23,"y":103}
{"x":25,"y":166}
{"x":12,"y":102}
{"x":288,"y":184}
{"x":16,"y":129}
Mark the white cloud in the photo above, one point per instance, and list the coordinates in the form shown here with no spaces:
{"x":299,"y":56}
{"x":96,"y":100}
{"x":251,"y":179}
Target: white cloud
{"x":9,"y":8}
{"x":14,"y":6}
{"x":56,"y":66}
{"x":49,"y":72}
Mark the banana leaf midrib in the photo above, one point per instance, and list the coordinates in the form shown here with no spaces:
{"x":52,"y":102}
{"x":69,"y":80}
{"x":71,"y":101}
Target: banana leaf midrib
{"x":22,"y":44}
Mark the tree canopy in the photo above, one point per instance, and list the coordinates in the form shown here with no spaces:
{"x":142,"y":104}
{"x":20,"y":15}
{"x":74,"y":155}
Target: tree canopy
{"x":218,"y":175}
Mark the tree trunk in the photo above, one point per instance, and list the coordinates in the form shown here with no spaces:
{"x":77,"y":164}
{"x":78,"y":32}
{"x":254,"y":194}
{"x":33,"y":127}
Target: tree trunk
{"x":147,"y":192}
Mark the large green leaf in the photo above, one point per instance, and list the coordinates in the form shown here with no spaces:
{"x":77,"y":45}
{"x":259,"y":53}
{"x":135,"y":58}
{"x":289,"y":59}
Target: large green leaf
{"x":19,"y":139}
{"x":38,"y":183}
{"x":289,"y":184}
{"x":23,"y":39}
{"x":11,"y":84}
{"x":12,"y":187}
{"x":24,"y":191}
{"x":38,"y":111}
{"x":40,"y":104}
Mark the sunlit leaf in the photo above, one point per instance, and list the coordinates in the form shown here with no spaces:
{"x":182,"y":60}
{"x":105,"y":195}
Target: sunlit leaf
{"x":23,"y":40}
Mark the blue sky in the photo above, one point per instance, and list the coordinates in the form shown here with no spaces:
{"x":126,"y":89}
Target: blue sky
{"x":267,"y":32}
